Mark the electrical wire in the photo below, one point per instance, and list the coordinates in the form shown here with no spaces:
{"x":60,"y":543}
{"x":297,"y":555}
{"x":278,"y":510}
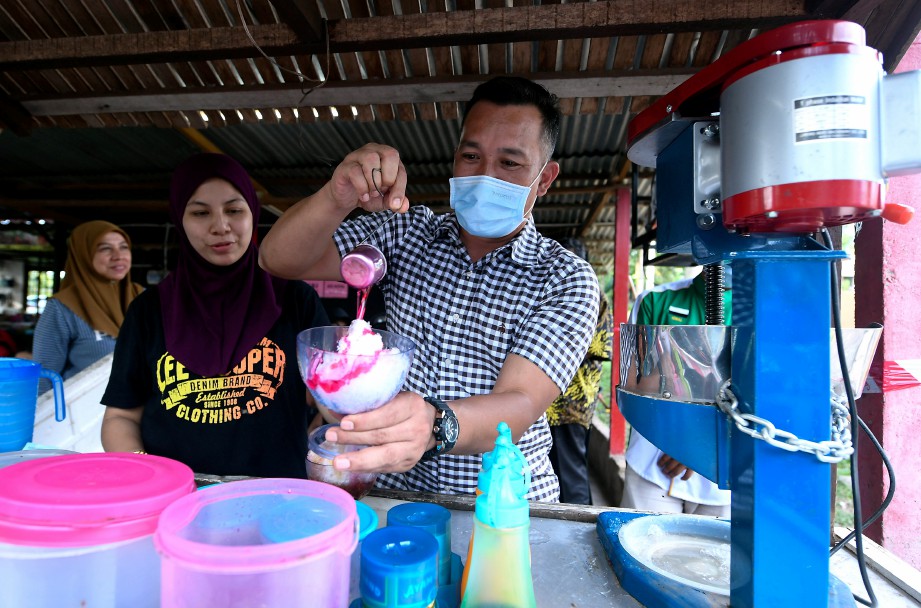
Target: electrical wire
{"x":855,"y":429}
{"x":879,"y":511}
{"x":302,"y":78}
{"x":855,"y":476}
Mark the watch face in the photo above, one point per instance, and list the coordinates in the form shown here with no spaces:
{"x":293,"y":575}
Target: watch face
{"x":449,"y":427}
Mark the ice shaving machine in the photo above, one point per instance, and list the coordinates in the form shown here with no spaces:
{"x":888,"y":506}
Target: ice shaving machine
{"x":794,"y":130}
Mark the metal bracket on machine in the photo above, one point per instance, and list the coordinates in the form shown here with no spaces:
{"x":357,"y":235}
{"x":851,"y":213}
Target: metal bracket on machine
{"x":707,"y":203}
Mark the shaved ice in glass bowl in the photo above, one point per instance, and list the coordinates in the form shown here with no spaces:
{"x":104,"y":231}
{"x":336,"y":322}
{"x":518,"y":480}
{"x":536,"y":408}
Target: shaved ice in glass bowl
{"x":353,"y":369}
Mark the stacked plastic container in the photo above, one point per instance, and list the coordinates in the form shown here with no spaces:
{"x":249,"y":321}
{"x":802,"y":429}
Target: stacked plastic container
{"x":258,"y":542}
{"x":399,"y":569}
{"x":436,"y":520}
{"x":77,"y":530}
{"x":11,"y":458}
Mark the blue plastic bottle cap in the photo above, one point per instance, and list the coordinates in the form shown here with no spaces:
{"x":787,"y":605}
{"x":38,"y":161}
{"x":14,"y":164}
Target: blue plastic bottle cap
{"x":367,"y":519}
{"x":399,"y":568}
{"x":432,"y":518}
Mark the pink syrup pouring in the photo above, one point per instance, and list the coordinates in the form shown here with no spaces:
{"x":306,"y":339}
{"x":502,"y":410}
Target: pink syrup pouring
{"x":362,"y":302}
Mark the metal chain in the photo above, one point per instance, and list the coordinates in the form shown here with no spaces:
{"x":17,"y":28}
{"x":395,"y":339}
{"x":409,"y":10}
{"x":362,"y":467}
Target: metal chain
{"x":834,"y":450}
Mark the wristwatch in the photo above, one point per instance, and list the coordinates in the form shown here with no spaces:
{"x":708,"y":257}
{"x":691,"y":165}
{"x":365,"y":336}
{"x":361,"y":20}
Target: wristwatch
{"x":445,"y":429}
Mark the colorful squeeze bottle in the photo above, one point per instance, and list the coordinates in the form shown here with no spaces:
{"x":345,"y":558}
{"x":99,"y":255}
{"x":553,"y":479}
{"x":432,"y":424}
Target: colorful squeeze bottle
{"x":498,"y":570}
{"x":521,"y":475}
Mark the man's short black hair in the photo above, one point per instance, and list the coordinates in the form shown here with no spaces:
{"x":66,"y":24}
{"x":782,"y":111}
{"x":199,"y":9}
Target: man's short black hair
{"x":518,"y":91}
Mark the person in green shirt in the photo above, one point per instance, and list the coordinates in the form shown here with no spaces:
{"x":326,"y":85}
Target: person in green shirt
{"x":680,"y":306}
{"x":655,"y":481}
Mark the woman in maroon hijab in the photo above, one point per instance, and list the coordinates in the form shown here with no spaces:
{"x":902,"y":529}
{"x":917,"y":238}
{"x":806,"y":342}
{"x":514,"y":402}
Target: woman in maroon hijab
{"x":205,"y":367}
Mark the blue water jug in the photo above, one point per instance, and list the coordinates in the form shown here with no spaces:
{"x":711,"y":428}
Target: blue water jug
{"x":18,"y":395}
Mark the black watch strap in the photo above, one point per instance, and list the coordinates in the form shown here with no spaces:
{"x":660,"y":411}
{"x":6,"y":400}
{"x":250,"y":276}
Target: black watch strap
{"x":445,"y":428}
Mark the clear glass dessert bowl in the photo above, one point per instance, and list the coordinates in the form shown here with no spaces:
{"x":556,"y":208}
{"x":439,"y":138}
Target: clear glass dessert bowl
{"x":353,"y":369}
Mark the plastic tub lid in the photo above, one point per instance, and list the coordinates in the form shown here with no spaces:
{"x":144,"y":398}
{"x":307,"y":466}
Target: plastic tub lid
{"x":318,"y":444}
{"x":399,"y":567}
{"x":88,"y":499}
{"x":269,"y":523}
{"x":8,"y":458}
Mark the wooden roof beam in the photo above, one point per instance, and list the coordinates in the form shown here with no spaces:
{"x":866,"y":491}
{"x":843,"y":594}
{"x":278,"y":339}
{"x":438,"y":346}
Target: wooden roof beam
{"x":560,"y":22}
{"x":481,"y":26}
{"x":883,"y":35}
{"x":614,"y":83}
{"x":828,"y":9}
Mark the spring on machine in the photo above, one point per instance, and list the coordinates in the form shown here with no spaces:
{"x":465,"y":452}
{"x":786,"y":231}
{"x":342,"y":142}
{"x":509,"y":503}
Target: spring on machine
{"x":713,"y":282}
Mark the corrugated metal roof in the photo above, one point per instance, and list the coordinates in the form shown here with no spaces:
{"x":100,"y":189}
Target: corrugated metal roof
{"x":100,"y":100}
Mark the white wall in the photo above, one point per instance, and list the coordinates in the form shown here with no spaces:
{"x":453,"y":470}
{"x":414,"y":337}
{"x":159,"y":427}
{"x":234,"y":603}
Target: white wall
{"x":80,"y":430}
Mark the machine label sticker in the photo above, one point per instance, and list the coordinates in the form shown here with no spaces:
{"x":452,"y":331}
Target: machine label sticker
{"x":831,"y":117}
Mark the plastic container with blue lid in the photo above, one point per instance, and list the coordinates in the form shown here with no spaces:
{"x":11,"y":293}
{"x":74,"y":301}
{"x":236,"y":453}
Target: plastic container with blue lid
{"x":399,"y":569}
{"x":367,"y":523}
{"x":320,"y":455}
{"x":432,"y":518}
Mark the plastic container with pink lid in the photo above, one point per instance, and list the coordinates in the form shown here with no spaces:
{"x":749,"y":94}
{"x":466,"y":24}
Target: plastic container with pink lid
{"x":77,"y":530}
{"x":258,"y":542}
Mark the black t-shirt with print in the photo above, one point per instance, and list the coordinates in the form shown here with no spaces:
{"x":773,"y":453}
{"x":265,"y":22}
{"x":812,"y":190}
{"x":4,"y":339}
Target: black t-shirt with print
{"x":251,"y":421}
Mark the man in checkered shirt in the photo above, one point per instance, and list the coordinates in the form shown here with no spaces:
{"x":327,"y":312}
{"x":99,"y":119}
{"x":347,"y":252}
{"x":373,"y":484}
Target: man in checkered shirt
{"x":500,"y":315}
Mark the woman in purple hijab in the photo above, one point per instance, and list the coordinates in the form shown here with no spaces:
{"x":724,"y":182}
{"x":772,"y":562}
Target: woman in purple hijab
{"x":201,"y":369}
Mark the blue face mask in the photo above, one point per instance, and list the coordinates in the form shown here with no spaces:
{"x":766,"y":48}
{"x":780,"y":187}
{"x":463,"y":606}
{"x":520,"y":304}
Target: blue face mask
{"x":488,"y":207}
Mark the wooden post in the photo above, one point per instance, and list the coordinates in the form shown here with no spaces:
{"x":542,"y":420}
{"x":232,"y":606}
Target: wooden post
{"x":622,"y":246}
{"x":887,"y":271}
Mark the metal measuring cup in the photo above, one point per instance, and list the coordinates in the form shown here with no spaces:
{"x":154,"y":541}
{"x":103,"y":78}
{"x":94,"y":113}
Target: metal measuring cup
{"x":363,"y":266}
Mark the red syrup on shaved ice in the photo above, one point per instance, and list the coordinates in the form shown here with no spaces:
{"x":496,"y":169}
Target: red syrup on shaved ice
{"x":355,"y":369}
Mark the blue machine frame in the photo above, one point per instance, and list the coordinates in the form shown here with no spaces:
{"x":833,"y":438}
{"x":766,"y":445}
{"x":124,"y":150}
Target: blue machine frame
{"x":780,"y":365}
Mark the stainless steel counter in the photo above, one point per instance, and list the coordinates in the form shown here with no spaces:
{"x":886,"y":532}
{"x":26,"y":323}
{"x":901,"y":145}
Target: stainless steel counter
{"x":569,"y":567}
